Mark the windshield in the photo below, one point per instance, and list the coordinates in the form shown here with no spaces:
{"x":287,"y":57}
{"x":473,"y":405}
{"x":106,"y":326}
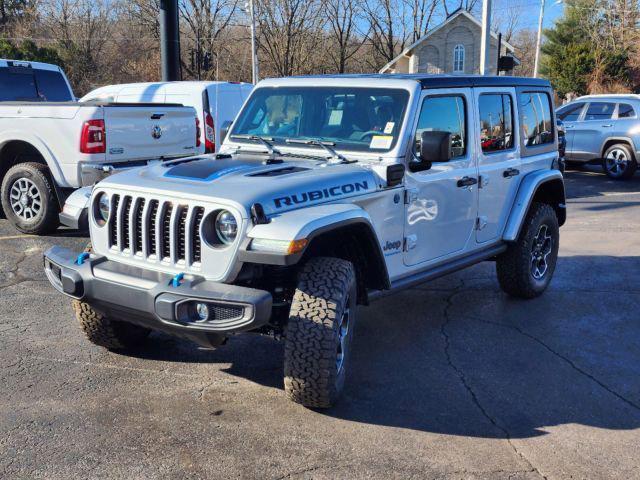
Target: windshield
{"x":361,"y":119}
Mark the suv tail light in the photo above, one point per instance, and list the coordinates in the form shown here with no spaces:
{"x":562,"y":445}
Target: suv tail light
{"x":93,"y":138}
{"x":198,"y":141}
{"x":209,"y":134}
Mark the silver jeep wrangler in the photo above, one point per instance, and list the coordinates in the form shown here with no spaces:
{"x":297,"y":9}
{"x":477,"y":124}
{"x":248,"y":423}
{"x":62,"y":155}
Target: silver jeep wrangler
{"x":329,"y":192}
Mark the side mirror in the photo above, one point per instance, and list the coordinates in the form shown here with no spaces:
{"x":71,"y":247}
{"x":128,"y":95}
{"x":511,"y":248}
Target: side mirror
{"x":434,"y":146}
{"x":224,"y":130}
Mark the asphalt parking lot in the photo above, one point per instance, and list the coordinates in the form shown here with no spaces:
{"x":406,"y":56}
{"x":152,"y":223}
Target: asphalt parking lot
{"x":451,"y":380}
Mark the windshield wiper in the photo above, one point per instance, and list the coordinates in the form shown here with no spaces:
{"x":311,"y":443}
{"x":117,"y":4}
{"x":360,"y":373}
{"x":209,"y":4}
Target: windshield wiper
{"x":266,"y":141}
{"x":335,"y":156}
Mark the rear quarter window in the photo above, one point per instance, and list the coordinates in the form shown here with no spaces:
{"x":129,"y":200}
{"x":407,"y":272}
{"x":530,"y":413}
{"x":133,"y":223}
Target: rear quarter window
{"x":536,"y":119}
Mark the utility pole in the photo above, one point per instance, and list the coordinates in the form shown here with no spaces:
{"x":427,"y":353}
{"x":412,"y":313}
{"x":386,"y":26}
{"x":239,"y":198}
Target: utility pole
{"x":254,"y":53}
{"x":485,"y":45}
{"x":539,"y":40}
{"x":169,"y":40}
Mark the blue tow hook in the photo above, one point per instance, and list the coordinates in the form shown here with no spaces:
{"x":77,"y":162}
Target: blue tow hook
{"x":82,"y":257}
{"x":175,"y":282}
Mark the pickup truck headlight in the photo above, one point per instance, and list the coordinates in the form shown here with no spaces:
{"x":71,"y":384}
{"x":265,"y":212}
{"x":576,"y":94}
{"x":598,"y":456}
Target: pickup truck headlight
{"x":226,"y":227}
{"x":102,"y":208}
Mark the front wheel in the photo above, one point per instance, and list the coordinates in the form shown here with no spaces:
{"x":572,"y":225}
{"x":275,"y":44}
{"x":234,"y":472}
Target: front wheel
{"x":319,"y":332}
{"x":527,"y":266}
{"x":28,"y":198}
{"x":618,"y":162}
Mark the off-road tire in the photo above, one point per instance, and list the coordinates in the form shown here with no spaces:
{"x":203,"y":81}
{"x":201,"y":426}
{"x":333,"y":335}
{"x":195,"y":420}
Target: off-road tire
{"x":110,"y":334}
{"x":46,"y":220}
{"x":631,"y":163}
{"x":326,"y":289}
{"x":514,"y":267}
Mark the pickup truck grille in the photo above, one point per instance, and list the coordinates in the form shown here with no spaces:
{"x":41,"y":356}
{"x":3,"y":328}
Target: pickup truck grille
{"x":156,"y":231}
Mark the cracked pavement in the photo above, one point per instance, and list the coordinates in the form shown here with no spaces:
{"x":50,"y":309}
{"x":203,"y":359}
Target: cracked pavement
{"x":450,"y":380}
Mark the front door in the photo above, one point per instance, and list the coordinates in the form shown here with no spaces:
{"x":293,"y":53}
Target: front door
{"x":499,"y":162}
{"x":441,"y":203}
{"x":570,"y":114}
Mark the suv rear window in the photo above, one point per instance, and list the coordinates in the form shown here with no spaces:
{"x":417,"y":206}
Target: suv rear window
{"x":535,"y":114}
{"x":600,"y":111}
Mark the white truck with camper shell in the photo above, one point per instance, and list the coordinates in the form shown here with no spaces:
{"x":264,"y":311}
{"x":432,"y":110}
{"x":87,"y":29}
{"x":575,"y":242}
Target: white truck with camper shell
{"x":50,"y":145}
{"x":328,"y":193}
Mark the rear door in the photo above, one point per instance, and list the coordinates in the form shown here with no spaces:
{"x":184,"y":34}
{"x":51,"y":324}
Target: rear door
{"x":146,"y":132}
{"x":570,"y":114}
{"x":590,"y":132}
{"x":499,"y":162}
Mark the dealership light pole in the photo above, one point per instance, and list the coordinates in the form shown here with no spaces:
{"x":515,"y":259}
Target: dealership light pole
{"x":254,"y":53}
{"x":485,"y":46}
{"x":539,"y":39}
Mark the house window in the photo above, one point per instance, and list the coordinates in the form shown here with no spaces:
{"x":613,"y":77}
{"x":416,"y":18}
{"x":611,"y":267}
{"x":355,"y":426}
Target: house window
{"x":458,"y":59}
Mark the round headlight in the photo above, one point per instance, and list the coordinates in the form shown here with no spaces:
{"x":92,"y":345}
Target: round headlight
{"x":226,"y":227}
{"x":103,"y":208}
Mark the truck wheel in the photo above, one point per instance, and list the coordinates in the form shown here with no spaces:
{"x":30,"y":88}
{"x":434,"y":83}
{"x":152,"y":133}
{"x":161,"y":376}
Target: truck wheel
{"x":526,"y":268}
{"x":618,"y":162}
{"x":107,"y":333}
{"x":319,"y":332}
{"x":28,"y":198}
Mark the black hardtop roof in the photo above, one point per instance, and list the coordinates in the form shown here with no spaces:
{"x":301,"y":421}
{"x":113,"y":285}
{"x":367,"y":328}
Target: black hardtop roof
{"x":450,"y":81}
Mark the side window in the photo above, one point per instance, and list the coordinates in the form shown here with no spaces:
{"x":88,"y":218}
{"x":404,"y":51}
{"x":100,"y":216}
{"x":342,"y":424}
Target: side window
{"x":51,"y":86}
{"x":600,"y":111}
{"x":536,"y":119}
{"x":496,"y":122}
{"x":445,"y":114}
{"x":570,"y":113}
{"x":626,"y":111}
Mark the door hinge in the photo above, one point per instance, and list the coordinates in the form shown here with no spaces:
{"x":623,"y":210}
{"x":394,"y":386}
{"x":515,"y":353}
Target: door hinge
{"x":410,"y":242}
{"x":481,"y":222}
{"x":410,"y":195}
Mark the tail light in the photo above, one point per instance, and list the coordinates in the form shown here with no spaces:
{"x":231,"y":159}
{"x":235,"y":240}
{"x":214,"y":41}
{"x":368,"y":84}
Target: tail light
{"x":93,"y":138}
{"x":209,"y":134}
{"x":198,"y":141}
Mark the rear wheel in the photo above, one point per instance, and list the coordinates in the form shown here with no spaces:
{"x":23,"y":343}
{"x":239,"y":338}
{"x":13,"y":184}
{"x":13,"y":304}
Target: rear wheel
{"x":28,"y":198}
{"x":319,"y":332}
{"x":618,"y":162}
{"x":526,"y":268}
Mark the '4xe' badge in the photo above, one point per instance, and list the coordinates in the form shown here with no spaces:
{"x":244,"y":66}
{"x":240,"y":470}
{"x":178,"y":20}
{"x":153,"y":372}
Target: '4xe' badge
{"x":156,"y":132}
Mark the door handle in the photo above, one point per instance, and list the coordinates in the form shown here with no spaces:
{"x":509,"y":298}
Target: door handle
{"x":607,"y":125}
{"x":467,"y":182}
{"x":568,"y":127}
{"x":510,"y":172}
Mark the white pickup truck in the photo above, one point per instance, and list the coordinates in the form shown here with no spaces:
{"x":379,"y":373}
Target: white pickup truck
{"x":51,"y":145}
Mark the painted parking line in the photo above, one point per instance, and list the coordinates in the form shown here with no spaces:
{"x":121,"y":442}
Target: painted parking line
{"x":15,"y":237}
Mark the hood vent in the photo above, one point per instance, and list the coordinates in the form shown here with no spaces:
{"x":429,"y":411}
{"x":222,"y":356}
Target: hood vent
{"x":278,"y":172}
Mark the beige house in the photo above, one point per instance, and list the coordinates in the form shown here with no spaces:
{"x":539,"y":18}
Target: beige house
{"x":452,"y":47}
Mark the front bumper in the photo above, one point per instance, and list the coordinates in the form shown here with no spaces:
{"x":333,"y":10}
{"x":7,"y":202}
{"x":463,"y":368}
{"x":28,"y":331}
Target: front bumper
{"x":157,"y":300}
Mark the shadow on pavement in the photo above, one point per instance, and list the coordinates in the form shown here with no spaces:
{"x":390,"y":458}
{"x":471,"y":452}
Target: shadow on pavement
{"x":591,"y":181}
{"x":471,"y":361}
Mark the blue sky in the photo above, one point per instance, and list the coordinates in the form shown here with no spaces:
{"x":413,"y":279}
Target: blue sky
{"x":529,"y":11}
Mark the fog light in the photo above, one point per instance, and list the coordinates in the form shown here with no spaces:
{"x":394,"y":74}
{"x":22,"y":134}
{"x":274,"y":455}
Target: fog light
{"x":202,"y":311}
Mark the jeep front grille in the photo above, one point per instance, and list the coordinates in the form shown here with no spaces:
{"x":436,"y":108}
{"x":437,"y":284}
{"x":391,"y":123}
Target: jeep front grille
{"x":156,"y":230}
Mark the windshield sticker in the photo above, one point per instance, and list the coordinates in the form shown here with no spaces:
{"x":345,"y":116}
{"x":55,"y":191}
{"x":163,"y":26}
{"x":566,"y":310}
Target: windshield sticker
{"x":335,"y":118}
{"x":381,"y":141}
{"x":389,"y":127}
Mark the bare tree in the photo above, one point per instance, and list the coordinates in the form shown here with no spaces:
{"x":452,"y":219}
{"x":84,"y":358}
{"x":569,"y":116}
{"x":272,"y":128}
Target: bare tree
{"x":345,"y":42}
{"x":423,"y":12}
{"x":205,"y":20}
{"x":387,"y":29}
{"x":290,"y":34}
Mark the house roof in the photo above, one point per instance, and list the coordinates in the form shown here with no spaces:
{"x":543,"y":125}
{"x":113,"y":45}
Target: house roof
{"x":459,"y":13}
